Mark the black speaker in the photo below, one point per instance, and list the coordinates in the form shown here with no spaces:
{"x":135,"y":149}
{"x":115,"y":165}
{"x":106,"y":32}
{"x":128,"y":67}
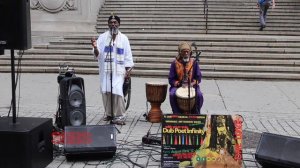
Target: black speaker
{"x":90,"y":142}
{"x":15,"y":29}
{"x":72,"y":102}
{"x":278,"y":151}
{"x":25,"y":144}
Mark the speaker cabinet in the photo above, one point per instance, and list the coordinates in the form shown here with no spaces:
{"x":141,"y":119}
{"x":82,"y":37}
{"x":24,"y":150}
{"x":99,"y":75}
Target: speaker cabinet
{"x":278,"y":151}
{"x":72,"y":102}
{"x":90,"y":142}
{"x":25,"y":144}
{"x":15,"y":29}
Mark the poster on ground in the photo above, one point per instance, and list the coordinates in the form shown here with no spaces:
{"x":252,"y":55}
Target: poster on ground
{"x":210,"y":141}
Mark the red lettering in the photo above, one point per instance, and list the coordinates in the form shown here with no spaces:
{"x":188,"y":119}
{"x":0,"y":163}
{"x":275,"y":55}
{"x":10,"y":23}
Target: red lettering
{"x":239,"y":134}
{"x":89,"y":138}
{"x":188,"y":155}
{"x":174,"y":116}
{"x":238,"y":154}
{"x":76,"y":138}
{"x":70,"y":138}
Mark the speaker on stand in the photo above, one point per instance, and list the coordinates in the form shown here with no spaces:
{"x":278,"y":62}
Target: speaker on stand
{"x":15,"y":29}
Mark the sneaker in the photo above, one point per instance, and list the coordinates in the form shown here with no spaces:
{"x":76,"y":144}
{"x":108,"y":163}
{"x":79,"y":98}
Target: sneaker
{"x":261,"y":28}
{"x":119,"y":120}
{"x":107,"y":118}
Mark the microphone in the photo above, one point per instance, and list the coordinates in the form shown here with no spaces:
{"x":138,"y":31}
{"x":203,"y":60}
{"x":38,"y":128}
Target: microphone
{"x":197,"y":52}
{"x":198,"y":55}
{"x":114,"y":31}
{"x":194,"y":45}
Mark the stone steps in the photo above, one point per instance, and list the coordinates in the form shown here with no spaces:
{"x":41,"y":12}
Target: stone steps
{"x":66,"y":49}
{"x":232,"y":47}
{"x":156,"y":57}
{"x":224,"y":17}
{"x":203,"y":61}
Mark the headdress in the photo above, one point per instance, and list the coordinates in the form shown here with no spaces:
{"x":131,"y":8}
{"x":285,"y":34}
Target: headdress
{"x":184,"y":45}
{"x":113,"y":16}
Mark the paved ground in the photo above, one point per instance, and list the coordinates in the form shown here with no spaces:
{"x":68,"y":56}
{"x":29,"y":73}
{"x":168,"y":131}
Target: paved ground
{"x":266,"y":106}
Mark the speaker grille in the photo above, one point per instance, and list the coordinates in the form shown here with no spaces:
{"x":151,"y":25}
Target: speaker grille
{"x":76,"y":118}
{"x":72,"y":96}
{"x":75,"y":96}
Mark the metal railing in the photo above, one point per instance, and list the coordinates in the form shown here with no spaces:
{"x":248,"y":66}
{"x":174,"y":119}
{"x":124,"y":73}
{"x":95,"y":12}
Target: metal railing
{"x":205,"y":12}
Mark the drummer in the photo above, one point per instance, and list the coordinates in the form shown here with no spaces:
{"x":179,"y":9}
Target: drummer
{"x":184,"y":71}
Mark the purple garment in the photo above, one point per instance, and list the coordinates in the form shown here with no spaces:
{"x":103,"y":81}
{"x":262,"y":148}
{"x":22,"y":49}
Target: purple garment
{"x":173,"y":77}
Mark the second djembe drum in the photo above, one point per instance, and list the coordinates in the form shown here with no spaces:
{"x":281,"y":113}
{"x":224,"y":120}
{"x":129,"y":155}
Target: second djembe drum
{"x":156,"y":93}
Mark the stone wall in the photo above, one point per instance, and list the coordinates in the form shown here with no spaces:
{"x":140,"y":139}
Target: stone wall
{"x":54,"y":18}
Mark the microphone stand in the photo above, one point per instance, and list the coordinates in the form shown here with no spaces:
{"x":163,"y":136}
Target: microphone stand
{"x":196,"y":62}
{"x":111,"y":88}
{"x":111,"y":81}
{"x":189,"y":85}
{"x":13,"y":86}
{"x":189,"y":90}
{"x":189,"y":94}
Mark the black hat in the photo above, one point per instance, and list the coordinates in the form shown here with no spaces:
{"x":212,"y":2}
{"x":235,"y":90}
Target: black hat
{"x":112,"y":16}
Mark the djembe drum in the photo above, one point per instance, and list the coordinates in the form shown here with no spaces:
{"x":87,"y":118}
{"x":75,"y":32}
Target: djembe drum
{"x":182,"y":97}
{"x":156,"y":93}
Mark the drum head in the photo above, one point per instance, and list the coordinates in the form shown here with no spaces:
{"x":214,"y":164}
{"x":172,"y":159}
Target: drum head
{"x":156,"y":91}
{"x":184,"y":92}
{"x":156,"y":83}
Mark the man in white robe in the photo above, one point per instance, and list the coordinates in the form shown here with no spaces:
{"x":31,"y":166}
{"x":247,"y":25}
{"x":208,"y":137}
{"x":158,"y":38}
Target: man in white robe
{"x":113,"y":45}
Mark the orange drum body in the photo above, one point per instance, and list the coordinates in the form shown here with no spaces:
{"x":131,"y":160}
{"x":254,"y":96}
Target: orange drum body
{"x":156,"y":93}
{"x":182,"y":95}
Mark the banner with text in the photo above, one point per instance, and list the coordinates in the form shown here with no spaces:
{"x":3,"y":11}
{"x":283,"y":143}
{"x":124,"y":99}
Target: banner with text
{"x":202,"y":140}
